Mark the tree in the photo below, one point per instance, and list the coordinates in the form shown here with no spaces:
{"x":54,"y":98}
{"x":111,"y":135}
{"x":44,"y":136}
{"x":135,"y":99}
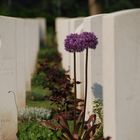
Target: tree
{"x":98,"y":6}
{"x":116,"y":5}
{"x":94,"y":7}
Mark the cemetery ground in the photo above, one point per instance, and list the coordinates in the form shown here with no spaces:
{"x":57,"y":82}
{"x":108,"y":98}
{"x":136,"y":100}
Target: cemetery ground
{"x":42,"y":103}
{"x":53,"y":102}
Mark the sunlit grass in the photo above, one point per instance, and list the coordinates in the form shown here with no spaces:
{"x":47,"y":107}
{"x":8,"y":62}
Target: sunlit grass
{"x":45,"y":104}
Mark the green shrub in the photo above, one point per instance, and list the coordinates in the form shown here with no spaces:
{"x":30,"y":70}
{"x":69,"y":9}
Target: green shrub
{"x":42,"y":53}
{"x":38,"y":79}
{"x":35,"y":131}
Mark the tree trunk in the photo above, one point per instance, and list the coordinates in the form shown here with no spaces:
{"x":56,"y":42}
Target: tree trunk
{"x":94,"y":7}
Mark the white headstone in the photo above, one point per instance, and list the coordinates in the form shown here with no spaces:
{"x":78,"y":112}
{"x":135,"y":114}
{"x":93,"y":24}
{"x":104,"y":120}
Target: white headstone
{"x":31,"y":49}
{"x":28,"y":45}
{"x":8,"y":112}
{"x":121,"y":75}
{"x":94,"y":91}
{"x":33,"y":41}
{"x":62,"y":30}
{"x":20,"y":53}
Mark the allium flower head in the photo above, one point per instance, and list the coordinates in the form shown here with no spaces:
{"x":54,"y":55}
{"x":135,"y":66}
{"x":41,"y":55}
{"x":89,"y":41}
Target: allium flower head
{"x":74,"y":43}
{"x":89,"y":40}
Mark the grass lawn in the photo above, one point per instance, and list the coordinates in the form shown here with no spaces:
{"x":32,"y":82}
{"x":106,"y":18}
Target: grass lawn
{"x":44,"y":104}
{"x":38,"y":100}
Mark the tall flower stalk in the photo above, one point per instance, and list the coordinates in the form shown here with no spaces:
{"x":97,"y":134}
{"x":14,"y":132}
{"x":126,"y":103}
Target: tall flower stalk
{"x":82,"y":130}
{"x":89,"y":41}
{"x":73,"y":44}
{"x":78,"y":43}
{"x":75,"y":89}
{"x":86,"y":83}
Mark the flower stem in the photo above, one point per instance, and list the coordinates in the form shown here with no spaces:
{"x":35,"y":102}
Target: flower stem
{"x":86,"y":82}
{"x":75,"y":89}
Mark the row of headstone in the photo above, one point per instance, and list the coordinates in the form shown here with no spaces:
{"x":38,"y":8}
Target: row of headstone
{"x":113,"y":71}
{"x":19,"y":45}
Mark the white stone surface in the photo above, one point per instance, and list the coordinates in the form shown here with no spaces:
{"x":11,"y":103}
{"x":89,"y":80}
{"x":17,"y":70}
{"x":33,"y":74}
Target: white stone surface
{"x":62,"y":30}
{"x":94,"y":24}
{"x":65,"y":26}
{"x":35,"y":42}
{"x":20,"y":54}
{"x":31,"y":49}
{"x":8,"y":112}
{"x":121,"y":74}
{"x":28,"y":65}
{"x":33,"y":33}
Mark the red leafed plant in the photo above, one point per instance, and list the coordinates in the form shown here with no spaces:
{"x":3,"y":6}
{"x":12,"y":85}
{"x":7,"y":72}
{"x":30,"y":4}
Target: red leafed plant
{"x":82,"y":130}
{"x":78,"y":133}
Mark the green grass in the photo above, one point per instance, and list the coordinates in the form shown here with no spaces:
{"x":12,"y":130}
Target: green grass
{"x":38,"y":93}
{"x":40,"y":90}
{"x":45,"y":104}
{"x":36,"y":98}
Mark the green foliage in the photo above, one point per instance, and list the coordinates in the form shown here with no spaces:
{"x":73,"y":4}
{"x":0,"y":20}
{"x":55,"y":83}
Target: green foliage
{"x":50,"y":55}
{"x":4,"y":10}
{"x":50,"y":38}
{"x":37,"y":93}
{"x":38,"y":79}
{"x":35,"y":131}
{"x":98,"y":110}
{"x":116,"y":5}
{"x":42,"y":53}
{"x":50,"y":9}
{"x":45,"y":104}
{"x":99,"y":133}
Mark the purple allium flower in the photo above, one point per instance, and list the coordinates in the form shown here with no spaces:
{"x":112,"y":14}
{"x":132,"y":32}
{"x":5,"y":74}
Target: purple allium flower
{"x":89,"y":40}
{"x":74,"y":43}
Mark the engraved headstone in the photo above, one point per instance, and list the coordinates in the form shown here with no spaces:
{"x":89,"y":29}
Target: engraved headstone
{"x":8,"y":110}
{"x":121,"y":74}
{"x":62,"y":30}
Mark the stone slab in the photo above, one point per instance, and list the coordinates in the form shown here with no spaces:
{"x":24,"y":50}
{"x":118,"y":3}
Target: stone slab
{"x":20,"y":54}
{"x":62,"y":30}
{"x":8,"y":110}
{"x":121,"y":74}
{"x":31,"y":49}
{"x":94,"y":24}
